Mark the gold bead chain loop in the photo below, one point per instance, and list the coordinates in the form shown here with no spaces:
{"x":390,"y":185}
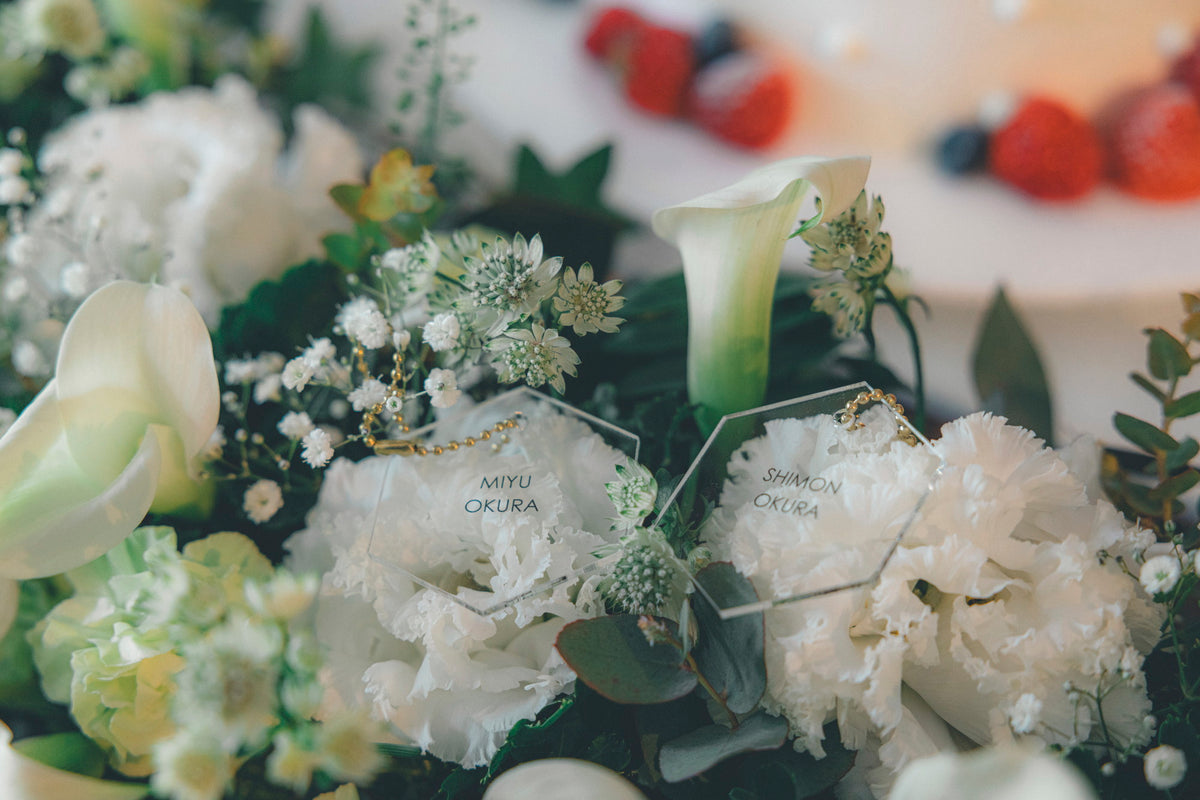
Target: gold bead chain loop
{"x":409,"y":447}
{"x":848,"y":416}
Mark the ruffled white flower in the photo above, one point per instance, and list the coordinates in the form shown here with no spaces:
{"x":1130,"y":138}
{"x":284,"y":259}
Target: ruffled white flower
{"x":364,"y":323}
{"x":993,"y":600}
{"x":189,"y":189}
{"x":1164,"y":766}
{"x":368,"y":394}
{"x":441,"y":332}
{"x":442,"y":385}
{"x":262,"y":501}
{"x":451,"y":680}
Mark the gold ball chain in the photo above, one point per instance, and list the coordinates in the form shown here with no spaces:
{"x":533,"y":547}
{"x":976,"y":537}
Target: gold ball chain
{"x":408,"y":447}
{"x":848,"y":416}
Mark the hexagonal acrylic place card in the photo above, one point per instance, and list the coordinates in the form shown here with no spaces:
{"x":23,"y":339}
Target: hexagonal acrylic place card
{"x":806,"y":497}
{"x":501,"y":503}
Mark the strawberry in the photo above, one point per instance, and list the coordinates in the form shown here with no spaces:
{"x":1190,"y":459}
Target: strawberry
{"x":1154,"y":143}
{"x":1048,"y":151}
{"x":1186,"y":69}
{"x":608,"y":27}
{"x":658,"y":69}
{"x":742,"y":99}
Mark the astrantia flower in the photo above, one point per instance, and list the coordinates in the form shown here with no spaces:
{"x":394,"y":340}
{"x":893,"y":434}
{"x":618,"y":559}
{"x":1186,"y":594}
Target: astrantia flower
{"x":843,"y":302}
{"x":510,"y":281}
{"x":451,"y":680}
{"x":295,"y":425}
{"x":441,"y":332}
{"x":849,"y":242}
{"x":645,"y":579}
{"x":1160,"y":574}
{"x":410,"y":269}
{"x":318,"y":448}
{"x":632,"y":494}
{"x":536,"y":356}
{"x":442,"y":385}
{"x":262,"y":500}
{"x":1164,"y":766}
{"x":364,"y":323}
{"x":995,"y":597}
{"x":584,"y":305}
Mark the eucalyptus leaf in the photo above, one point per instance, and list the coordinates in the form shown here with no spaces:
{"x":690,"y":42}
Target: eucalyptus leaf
{"x":1184,"y":406}
{"x":1167,"y":357}
{"x":1182,"y":455}
{"x":1145,"y":383}
{"x":612,"y":656}
{"x":695,"y":752}
{"x":1143,"y":434}
{"x":730,"y":652}
{"x":1008,"y":372}
{"x":1176,"y":485}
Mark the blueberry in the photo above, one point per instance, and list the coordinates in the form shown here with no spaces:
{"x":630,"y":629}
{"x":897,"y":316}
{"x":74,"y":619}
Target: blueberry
{"x":717,"y":38}
{"x":963,"y":150}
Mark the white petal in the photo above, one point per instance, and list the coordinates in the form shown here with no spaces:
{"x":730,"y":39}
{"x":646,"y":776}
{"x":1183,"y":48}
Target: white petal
{"x":561,"y":779}
{"x":1009,"y":773}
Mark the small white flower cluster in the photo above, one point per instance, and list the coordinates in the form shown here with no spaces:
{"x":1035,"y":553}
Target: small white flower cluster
{"x":14,"y":187}
{"x":1006,"y":588}
{"x":1160,"y":573}
{"x":180,"y":664}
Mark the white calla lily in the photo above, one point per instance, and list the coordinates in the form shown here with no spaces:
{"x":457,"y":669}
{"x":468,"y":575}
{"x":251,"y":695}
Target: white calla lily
{"x":561,"y":779}
{"x":115,"y":434}
{"x":26,"y":779}
{"x":732,"y":243}
{"x":1011,"y":772}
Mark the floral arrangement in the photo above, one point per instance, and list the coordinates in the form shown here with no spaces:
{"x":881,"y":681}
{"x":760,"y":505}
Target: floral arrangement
{"x":275,"y":523}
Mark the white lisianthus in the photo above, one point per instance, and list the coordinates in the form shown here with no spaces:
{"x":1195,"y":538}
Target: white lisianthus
{"x":994,"y":599}
{"x":451,"y":680}
{"x":189,"y":189}
{"x":1164,"y":766}
{"x":68,"y":26}
{"x":119,"y":431}
{"x":23,"y":778}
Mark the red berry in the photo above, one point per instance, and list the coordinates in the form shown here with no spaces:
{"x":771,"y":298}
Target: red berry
{"x":1154,"y":144}
{"x":608,"y":27}
{"x":742,"y":99}
{"x":1048,"y":151}
{"x":658,"y":70}
{"x":1186,"y":70}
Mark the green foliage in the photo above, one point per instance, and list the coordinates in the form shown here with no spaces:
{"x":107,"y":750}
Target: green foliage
{"x":280,"y":315}
{"x":326,"y":72}
{"x":566,"y":208}
{"x":70,"y":751}
{"x":730,"y":652}
{"x":1008,"y":372}
{"x":703,"y":748}
{"x":613,"y":657}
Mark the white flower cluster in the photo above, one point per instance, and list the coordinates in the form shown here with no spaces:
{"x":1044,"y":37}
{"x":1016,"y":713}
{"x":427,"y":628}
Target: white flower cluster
{"x":1004,"y":591}
{"x":190,"y":189}
{"x":388,"y":530}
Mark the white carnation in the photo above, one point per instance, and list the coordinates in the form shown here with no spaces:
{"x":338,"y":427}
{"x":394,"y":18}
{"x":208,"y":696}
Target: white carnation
{"x":451,"y":680}
{"x":994,"y":598}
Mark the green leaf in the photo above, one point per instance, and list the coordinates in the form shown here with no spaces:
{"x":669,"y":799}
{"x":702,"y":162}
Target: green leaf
{"x":730,"y":652}
{"x":1175,"y":485}
{"x":326,"y":72}
{"x":785,"y":773}
{"x":70,"y":751}
{"x":1008,"y":373}
{"x":1183,"y":406}
{"x":612,"y":656}
{"x":279,"y":315}
{"x":1167,"y":357}
{"x":1144,"y":382}
{"x":581,"y":184}
{"x":1143,"y":434}
{"x":695,"y":752}
{"x":342,"y":249}
{"x":1182,"y":455}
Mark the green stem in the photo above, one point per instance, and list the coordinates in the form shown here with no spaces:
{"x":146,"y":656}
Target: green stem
{"x":915,"y":345}
{"x":712,"y":692}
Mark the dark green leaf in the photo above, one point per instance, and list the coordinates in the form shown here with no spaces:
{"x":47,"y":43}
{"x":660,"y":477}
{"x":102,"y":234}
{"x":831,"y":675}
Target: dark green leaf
{"x":1167,"y":357}
{"x":1183,"y":406}
{"x":1144,"y":382}
{"x":326,"y":72}
{"x":730,"y":652}
{"x":612,"y":656}
{"x":581,"y":184}
{"x":1176,"y":485}
{"x":279,"y":315}
{"x":784,"y":773}
{"x":72,"y":752}
{"x":1143,"y":434}
{"x":1181,"y":456}
{"x":1140,"y":500}
{"x":342,"y":249}
{"x":532,"y":176}
{"x":1008,"y":372}
{"x":695,"y":752}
